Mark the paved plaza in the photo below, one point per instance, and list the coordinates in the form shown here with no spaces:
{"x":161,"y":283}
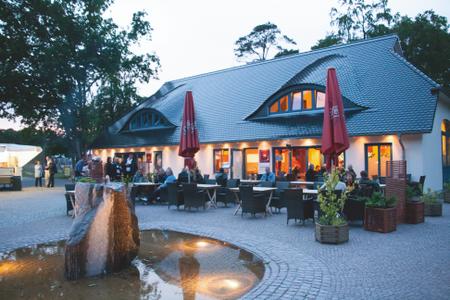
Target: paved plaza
{"x":410,"y":263}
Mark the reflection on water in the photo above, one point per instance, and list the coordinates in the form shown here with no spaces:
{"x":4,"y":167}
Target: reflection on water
{"x":170,"y":265}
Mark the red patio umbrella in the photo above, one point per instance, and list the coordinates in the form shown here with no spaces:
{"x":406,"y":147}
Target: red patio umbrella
{"x":334,"y":132}
{"x":189,"y":144}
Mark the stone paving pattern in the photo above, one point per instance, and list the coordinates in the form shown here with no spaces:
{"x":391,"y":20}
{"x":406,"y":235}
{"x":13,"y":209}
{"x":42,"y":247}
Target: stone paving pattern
{"x":410,"y":263}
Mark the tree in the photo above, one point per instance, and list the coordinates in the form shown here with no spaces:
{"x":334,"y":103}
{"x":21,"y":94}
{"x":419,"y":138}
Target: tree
{"x":329,"y":40}
{"x":63,"y":59}
{"x":425,"y":42}
{"x":257,"y":45}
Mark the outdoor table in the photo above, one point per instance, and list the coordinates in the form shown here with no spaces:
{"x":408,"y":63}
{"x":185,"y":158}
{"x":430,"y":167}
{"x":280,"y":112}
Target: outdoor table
{"x":256,"y":189}
{"x":144,"y":189}
{"x":250,"y":181}
{"x":211,"y":190}
{"x":310,"y":192}
{"x":299,"y":182}
{"x":146,"y":183}
{"x":382,"y":185}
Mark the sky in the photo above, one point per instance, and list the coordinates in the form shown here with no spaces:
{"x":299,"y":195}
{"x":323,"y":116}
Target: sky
{"x":197,"y":36}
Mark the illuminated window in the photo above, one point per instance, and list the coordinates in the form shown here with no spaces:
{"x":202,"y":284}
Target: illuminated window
{"x":251,"y":162}
{"x":296,"y":100}
{"x":274,"y":108}
{"x":376,"y":157}
{"x":307,"y":99}
{"x":284,"y":103}
{"x":147,"y":119}
{"x":320,"y":99}
{"x":221,"y":159}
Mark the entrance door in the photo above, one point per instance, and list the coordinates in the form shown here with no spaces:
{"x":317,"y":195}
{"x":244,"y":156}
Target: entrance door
{"x":236,"y":164}
{"x":251,"y":162}
{"x":376,"y":157}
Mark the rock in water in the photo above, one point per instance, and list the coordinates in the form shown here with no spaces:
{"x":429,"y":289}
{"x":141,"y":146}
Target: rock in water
{"x":104,"y":236}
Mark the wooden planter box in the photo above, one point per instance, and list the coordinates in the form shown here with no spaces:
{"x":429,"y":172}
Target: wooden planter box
{"x":380,"y":219}
{"x":414,"y":212}
{"x":433,"y":210}
{"x":328,"y":234}
{"x":447,"y":197}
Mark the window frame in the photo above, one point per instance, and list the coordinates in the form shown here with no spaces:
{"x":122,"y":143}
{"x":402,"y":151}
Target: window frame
{"x":366,"y":158}
{"x":154,"y":119}
{"x":227,"y":170}
{"x":289,"y":95}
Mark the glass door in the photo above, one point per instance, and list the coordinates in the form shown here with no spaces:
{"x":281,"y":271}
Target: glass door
{"x":236,"y":164}
{"x":251,"y":162}
{"x":376,"y":157}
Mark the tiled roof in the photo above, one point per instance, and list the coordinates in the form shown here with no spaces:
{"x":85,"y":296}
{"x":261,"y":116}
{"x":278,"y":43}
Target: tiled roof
{"x":371,"y":74}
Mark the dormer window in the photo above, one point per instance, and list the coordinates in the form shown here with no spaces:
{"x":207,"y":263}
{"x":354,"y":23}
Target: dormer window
{"x":147,"y":119}
{"x":294,"y":101}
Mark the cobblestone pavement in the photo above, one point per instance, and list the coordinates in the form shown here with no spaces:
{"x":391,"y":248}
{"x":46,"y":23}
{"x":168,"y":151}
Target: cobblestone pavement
{"x":410,"y":263}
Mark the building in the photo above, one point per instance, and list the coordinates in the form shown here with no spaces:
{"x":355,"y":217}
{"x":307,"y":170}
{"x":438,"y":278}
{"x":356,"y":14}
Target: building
{"x":270,"y":114}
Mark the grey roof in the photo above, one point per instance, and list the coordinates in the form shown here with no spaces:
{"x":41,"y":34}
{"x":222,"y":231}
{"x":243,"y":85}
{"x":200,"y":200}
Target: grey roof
{"x":372,"y":74}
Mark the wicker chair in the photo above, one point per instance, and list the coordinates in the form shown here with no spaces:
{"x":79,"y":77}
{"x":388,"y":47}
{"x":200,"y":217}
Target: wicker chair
{"x":251,"y":203}
{"x":266,"y":184}
{"x":294,"y":204}
{"x":193,"y":197}
{"x":277,"y":199}
{"x":172,"y":196}
{"x":69,"y":206}
{"x":224,"y":195}
{"x":210,"y":181}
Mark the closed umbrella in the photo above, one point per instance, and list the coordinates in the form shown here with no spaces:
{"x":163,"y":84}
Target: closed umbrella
{"x":334,"y":132}
{"x":189,"y":144}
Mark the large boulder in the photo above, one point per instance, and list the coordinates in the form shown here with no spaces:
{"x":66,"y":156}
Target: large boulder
{"x":104,"y":236}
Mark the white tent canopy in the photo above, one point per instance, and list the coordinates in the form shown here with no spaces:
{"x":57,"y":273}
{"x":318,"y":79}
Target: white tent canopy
{"x":16,"y":156}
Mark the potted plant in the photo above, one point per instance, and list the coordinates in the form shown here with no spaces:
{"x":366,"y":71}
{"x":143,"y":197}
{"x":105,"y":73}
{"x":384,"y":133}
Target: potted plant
{"x":380,"y":214}
{"x":331,"y":228}
{"x":414,"y":206}
{"x":446,"y":192}
{"x":433,"y":207}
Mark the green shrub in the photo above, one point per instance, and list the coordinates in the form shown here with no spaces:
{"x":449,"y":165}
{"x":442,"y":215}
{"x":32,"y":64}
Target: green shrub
{"x":430,"y":197}
{"x":379,"y":201}
{"x":330,"y":205}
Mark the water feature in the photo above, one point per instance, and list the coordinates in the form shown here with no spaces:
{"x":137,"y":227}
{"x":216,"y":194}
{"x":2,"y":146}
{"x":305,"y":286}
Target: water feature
{"x":169,"y":265}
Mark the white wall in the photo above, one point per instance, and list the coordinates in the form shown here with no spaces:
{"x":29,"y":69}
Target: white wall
{"x":431,"y":148}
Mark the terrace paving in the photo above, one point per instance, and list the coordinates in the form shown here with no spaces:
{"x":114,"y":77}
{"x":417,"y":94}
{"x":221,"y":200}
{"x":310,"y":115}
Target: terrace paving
{"x":410,"y":263}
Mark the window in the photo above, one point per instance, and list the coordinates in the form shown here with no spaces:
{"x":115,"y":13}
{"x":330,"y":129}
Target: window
{"x":147,"y":119}
{"x":320,"y":99}
{"x":308,"y":99}
{"x":376,"y":157}
{"x":221,"y":159}
{"x":284,"y":103}
{"x":296,"y":100}
{"x":251,"y":162}
{"x":297,"y":160}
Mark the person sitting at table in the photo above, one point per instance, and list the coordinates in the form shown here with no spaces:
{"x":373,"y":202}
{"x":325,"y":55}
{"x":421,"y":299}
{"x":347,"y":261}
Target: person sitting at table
{"x":365,"y":180}
{"x":340,"y":186}
{"x":311,"y":173}
{"x":160,"y":175}
{"x":268,"y":176}
{"x":139,"y":177}
{"x":352,"y":172}
{"x":197,"y":176}
{"x":222,"y":178}
{"x":184,"y":176}
{"x":170,"y":178}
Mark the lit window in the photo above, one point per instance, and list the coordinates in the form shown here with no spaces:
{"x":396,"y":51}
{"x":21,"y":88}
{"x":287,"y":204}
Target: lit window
{"x":307,"y":99}
{"x":296,"y":101}
{"x":274,"y":108}
{"x":320,"y":99}
{"x":221,"y":160}
{"x":146,"y":119}
{"x":284,"y":103}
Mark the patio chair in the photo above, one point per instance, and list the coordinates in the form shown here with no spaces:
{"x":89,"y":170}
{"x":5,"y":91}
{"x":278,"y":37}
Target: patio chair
{"x":172,"y":196}
{"x":206,"y":177}
{"x":365,"y":190}
{"x":278,"y":200}
{"x":193,"y":197}
{"x":69,"y":206}
{"x":210,"y":181}
{"x":294,"y":205}
{"x":224,"y":195}
{"x":250,"y":202}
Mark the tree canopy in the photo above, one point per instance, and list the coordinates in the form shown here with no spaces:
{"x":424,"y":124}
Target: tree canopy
{"x":425,"y":39}
{"x":67,"y":66}
{"x":261,"y":42}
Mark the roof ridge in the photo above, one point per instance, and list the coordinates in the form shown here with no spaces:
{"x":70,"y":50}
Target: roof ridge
{"x":415,"y":69}
{"x":309,"y":52}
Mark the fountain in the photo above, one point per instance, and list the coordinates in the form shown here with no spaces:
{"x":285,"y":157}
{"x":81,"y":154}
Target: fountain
{"x":104,"y":237}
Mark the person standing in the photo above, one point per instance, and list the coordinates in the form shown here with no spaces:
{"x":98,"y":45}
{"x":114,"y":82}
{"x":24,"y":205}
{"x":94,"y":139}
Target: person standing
{"x":130,"y":165}
{"x":51,"y":167}
{"x":46,"y":171}
{"x":79,"y":166}
{"x":38,"y":174}
{"x":109,"y":169}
